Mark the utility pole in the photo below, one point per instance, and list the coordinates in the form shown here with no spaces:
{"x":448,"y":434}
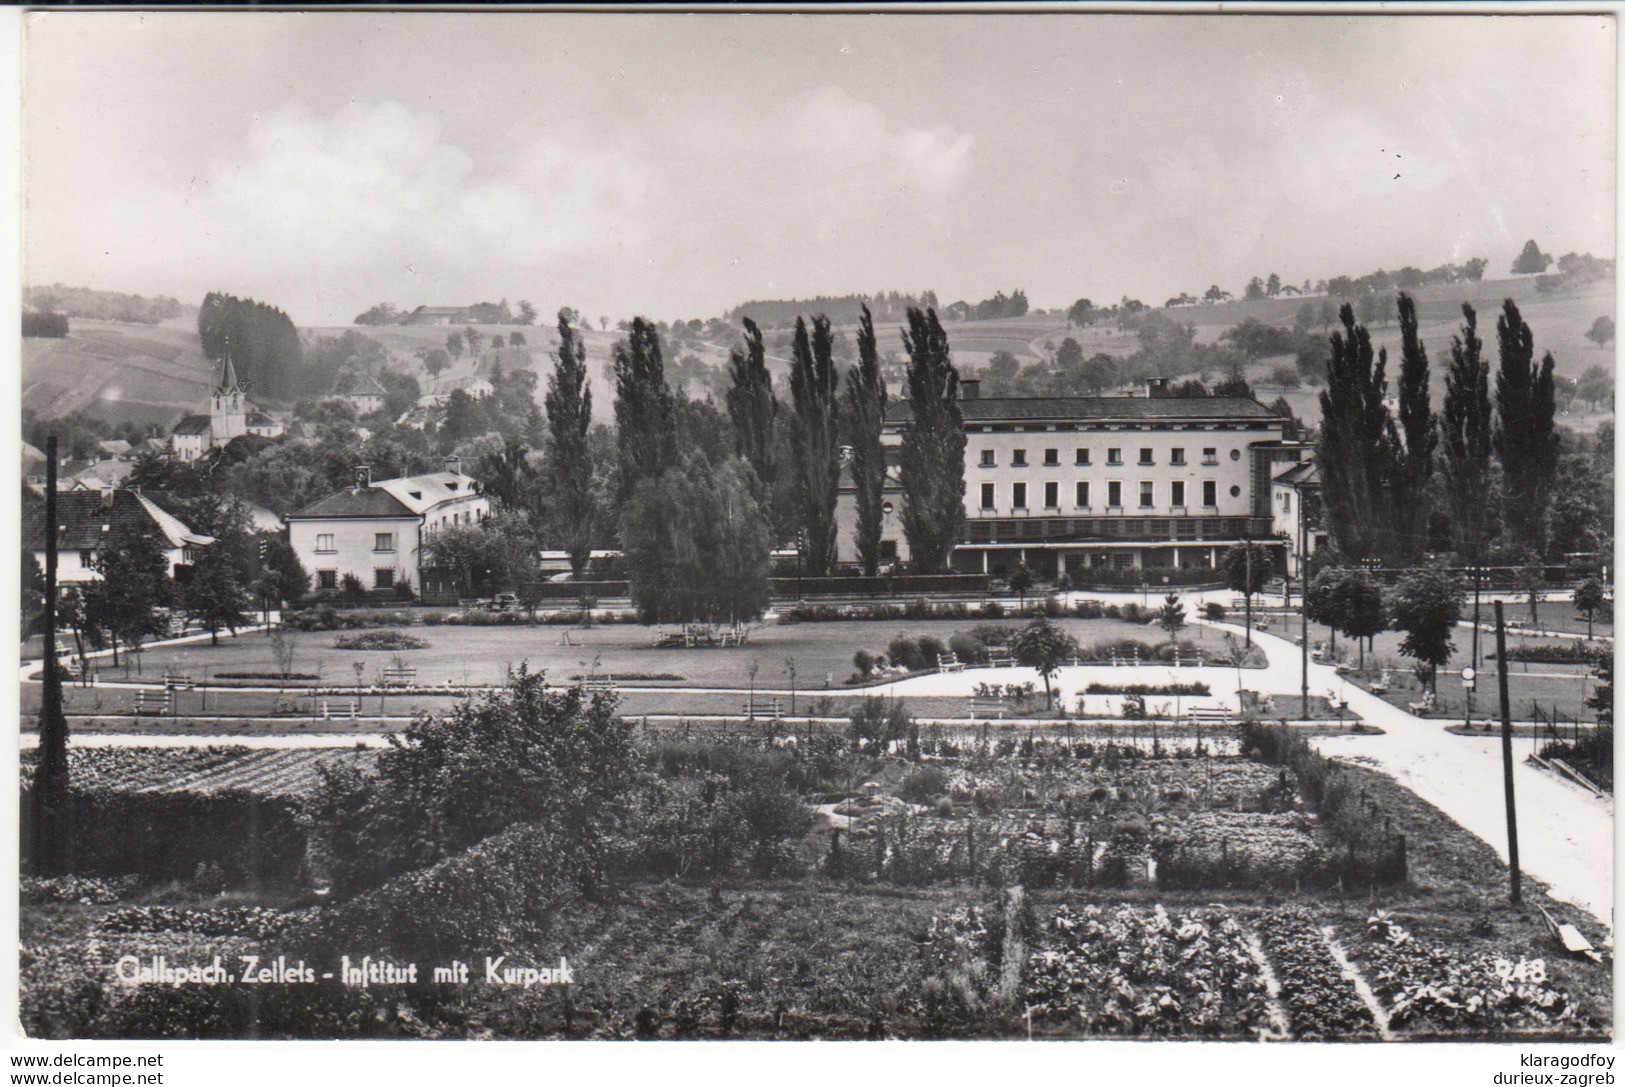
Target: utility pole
{"x":52,"y":831}
{"x":1506,"y":754}
{"x":1303,"y":598}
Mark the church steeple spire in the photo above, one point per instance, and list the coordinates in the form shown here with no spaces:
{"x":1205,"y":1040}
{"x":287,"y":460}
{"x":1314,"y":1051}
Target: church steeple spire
{"x":228,"y":377}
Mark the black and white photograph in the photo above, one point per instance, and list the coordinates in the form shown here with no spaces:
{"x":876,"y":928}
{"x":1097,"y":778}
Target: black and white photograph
{"x":727,"y":526}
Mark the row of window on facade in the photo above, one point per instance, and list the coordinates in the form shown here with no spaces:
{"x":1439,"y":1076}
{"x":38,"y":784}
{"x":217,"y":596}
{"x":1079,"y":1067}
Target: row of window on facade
{"x":1052,"y":457}
{"x":1114,"y":495}
{"x":381,"y":541}
{"x":382,"y":578}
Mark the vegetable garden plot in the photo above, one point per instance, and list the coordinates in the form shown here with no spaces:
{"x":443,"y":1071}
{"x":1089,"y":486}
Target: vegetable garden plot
{"x":1322,"y":1003}
{"x":1146,"y":973}
{"x":1434,"y":993}
{"x":201,"y":770}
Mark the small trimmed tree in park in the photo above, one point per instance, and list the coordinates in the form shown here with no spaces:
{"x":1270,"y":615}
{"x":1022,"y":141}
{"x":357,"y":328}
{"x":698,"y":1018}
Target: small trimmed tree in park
{"x":1044,"y":646}
{"x":1590,"y":598}
{"x":134,"y":583}
{"x":1171,"y":616}
{"x":1426,"y":605}
{"x":1021,"y":579}
{"x":1350,"y":603}
{"x":1246,"y":569}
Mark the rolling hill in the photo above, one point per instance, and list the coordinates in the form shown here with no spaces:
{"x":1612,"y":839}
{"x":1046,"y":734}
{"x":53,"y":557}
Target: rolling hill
{"x":152,"y":374}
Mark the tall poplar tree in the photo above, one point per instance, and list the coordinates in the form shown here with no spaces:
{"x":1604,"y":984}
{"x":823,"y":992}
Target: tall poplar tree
{"x":815,"y":441}
{"x":571,"y":501}
{"x":645,"y":418}
{"x":1466,"y":429}
{"x":932,"y":457}
{"x":1420,"y":432}
{"x":1525,"y":440}
{"x":751,"y":405}
{"x":1356,"y":445}
{"x":865,"y":415}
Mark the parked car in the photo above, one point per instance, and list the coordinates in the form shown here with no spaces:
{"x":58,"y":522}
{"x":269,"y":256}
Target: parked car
{"x":504,"y":602}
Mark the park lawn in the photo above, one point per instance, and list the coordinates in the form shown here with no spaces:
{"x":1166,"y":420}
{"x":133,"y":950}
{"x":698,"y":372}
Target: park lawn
{"x":483,"y":655}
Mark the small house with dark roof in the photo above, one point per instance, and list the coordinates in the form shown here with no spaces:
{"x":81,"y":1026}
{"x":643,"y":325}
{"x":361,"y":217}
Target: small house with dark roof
{"x":88,"y":521}
{"x":363,"y":391}
{"x":374,"y":531}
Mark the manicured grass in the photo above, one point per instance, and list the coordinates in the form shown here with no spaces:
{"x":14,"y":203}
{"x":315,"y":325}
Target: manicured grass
{"x":480,"y":655}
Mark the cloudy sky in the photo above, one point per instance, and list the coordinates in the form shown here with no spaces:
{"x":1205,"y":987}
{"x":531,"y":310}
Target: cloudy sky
{"x":675,"y":165}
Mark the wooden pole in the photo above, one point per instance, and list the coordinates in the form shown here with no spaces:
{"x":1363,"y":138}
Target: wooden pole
{"x":51,"y":833}
{"x":1506,"y":754}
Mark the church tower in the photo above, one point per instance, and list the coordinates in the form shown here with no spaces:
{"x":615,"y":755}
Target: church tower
{"x":228,"y":413}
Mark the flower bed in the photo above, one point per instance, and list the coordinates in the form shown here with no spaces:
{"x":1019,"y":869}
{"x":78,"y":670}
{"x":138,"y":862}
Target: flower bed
{"x":379,"y":640}
{"x":1321,"y":1002}
{"x":1137,"y":972}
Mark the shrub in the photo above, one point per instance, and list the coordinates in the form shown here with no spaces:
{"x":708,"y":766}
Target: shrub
{"x":530,"y":753}
{"x":379,"y":640}
{"x":924,"y":784}
{"x":992,"y":609}
{"x":1185,"y":689}
{"x":1214,"y":611}
{"x":1555,"y":653}
{"x":864,"y":662}
{"x":967,"y":648}
{"x":351,"y":591}
{"x":931,"y":650}
{"x":877,"y":723}
{"x":993,"y":634}
{"x":905,"y":651}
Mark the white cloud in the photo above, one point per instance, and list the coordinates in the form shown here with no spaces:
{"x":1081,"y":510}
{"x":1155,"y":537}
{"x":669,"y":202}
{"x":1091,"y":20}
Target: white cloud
{"x":842,"y":140}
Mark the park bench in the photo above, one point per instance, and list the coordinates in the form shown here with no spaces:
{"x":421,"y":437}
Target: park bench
{"x":735,"y":636}
{"x":1422,"y":708}
{"x":1210,"y":715}
{"x":350,"y":708}
{"x":1001,"y":660}
{"x":598,"y":683}
{"x":947,"y":662}
{"x":983,"y":706}
{"x":153,"y":703}
{"x":177,"y":681}
{"x":399,"y":677}
{"x":750,"y":708}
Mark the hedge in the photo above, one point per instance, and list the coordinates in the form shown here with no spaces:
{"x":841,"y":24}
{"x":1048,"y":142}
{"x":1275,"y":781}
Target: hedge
{"x":895,"y":585}
{"x":163,"y":836}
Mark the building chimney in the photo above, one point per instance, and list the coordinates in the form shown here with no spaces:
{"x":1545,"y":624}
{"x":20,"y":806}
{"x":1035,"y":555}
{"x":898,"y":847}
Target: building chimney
{"x":1156,"y":386}
{"x":454,"y":465}
{"x":970,"y":388}
{"x":363,"y":475}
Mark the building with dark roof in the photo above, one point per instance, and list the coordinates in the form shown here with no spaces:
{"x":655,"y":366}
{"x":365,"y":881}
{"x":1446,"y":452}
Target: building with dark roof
{"x":374,"y":531}
{"x":363,"y":391}
{"x":1075,"y":484}
{"x":88,"y":521}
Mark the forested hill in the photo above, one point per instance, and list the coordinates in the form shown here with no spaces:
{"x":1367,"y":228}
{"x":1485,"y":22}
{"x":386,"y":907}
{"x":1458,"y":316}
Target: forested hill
{"x":841,"y":309}
{"x":106,"y":305}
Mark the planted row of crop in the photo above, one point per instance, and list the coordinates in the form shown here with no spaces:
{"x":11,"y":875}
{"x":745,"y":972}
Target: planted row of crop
{"x":1146,"y":973}
{"x":199,"y":770}
{"x":1321,"y":1001}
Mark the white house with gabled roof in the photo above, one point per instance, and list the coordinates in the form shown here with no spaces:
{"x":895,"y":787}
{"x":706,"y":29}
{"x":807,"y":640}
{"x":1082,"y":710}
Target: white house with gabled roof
{"x":374,"y":531}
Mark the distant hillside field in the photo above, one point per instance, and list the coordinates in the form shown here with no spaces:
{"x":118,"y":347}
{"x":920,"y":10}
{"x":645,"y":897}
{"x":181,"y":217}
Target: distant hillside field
{"x":148,"y":374}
